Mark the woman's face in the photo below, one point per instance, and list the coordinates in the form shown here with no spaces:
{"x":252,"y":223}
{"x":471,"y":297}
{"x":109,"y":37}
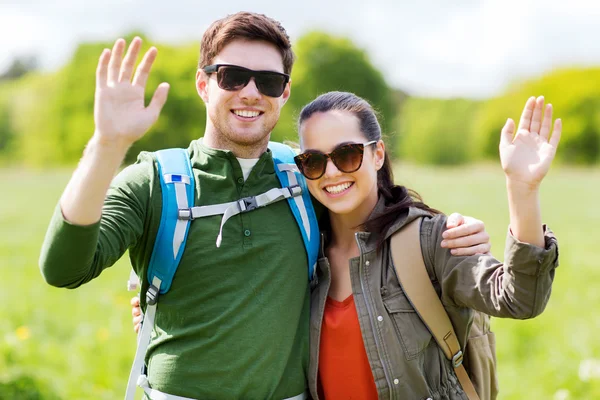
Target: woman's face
{"x":341,"y":192}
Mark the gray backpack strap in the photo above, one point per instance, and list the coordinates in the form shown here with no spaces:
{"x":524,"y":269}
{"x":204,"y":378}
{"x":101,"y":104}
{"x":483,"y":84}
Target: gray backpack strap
{"x":414,"y":280}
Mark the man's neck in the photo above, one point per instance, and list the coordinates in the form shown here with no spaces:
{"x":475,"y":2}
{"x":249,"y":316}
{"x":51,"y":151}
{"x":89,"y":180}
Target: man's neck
{"x":215,"y":140}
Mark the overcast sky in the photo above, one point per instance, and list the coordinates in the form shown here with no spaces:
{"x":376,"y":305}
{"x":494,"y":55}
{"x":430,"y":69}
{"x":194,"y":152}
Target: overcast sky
{"x":465,"y":48}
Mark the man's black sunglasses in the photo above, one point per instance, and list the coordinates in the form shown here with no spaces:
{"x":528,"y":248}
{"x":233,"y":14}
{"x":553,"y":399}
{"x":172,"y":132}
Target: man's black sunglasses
{"x":233,"y":77}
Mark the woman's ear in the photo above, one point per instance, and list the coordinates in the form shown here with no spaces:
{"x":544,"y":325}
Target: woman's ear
{"x":379,"y":154}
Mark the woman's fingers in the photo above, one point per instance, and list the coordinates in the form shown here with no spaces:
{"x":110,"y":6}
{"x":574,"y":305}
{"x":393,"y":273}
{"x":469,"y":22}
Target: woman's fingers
{"x":536,"y":118}
{"x":525,"y":122}
{"x":507,"y":133}
{"x":555,"y":139}
{"x":547,"y":124}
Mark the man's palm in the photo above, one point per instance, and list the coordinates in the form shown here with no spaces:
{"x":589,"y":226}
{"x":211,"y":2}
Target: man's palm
{"x":119,"y":111}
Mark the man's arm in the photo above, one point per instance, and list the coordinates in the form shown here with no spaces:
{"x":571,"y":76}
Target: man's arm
{"x":121,"y":118}
{"x":79,"y":244}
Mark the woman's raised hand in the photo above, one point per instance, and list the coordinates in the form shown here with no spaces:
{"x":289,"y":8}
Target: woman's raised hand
{"x":526,"y":156}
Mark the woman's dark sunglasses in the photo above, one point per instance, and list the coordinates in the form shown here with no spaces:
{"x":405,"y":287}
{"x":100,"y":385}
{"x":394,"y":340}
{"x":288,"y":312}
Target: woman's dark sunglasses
{"x":346,"y":157}
{"x":232,"y":78}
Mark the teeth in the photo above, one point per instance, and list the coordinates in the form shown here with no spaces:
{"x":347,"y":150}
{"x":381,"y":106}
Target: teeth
{"x":338,"y":188}
{"x":246,"y":113}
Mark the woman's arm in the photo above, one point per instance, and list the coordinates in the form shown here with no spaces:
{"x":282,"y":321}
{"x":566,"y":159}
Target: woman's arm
{"x":520,"y":287}
{"x":526,"y":157}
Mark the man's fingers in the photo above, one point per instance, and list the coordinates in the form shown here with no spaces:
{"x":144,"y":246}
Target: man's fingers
{"x":507,"y":133}
{"x":159,"y":99}
{"x":135,"y":301}
{"x":466,"y":241}
{"x":143,"y":70}
{"x":527,"y":114}
{"x":473,"y":226}
{"x":547,"y":124}
{"x":102,"y":69}
{"x":454,"y":220}
{"x":137,"y":323}
{"x":555,"y":138}
{"x":470,"y":251}
{"x":129,"y":60}
{"x":114,"y":66}
{"x":536,"y":119}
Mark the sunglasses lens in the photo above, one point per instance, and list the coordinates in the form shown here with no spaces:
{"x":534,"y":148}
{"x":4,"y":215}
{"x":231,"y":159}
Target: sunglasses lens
{"x":232,"y":78}
{"x":312,"y":165}
{"x":348,"y":158}
{"x":270,"y":84}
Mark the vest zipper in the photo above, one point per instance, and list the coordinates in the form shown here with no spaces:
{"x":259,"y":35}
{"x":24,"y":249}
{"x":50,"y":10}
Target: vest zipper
{"x":373,"y":327}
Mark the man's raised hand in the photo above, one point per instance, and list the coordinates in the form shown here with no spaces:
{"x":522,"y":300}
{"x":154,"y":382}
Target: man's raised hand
{"x":120,"y":115}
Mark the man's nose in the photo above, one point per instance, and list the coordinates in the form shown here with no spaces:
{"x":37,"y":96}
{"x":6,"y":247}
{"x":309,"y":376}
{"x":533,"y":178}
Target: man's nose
{"x":250,"y":91}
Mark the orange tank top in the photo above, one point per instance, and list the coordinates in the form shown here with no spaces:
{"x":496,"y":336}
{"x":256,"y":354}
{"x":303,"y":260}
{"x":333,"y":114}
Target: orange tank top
{"x":344,"y":370}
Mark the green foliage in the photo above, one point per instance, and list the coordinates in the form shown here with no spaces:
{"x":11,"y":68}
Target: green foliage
{"x":575,"y":95}
{"x":6,"y":130}
{"x":436,"y":131}
{"x":48,"y":118}
{"x":327,"y":63}
{"x":25,"y":388}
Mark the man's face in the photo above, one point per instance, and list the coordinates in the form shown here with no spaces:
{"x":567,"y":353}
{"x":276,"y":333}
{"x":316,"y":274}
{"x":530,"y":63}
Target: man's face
{"x":243,"y":117}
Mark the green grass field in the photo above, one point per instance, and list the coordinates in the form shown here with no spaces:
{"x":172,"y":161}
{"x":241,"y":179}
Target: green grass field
{"x":79,"y":344}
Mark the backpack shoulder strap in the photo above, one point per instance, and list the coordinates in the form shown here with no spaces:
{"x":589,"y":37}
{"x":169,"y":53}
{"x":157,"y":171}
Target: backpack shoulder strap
{"x":177,"y":188}
{"x":301,"y":206}
{"x":414,"y":280}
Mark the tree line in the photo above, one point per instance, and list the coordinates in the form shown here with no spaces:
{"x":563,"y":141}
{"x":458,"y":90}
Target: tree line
{"x":46,"y":118}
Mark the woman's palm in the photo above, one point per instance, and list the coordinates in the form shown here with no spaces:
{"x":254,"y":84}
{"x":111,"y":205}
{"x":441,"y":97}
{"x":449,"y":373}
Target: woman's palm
{"x":526,"y":156}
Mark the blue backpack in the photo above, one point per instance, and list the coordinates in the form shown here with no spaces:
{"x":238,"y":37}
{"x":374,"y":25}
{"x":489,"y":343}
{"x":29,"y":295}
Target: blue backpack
{"x":178,"y":211}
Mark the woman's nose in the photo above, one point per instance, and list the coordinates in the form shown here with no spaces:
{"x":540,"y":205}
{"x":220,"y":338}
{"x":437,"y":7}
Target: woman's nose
{"x":331,"y":169}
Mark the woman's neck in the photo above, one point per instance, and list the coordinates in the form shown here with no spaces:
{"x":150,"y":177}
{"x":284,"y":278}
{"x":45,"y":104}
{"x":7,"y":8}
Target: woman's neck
{"x":345,"y":226}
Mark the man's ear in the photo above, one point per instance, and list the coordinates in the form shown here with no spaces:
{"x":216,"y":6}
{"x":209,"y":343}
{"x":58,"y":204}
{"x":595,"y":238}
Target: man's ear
{"x":202,"y":85}
{"x":287,"y":92}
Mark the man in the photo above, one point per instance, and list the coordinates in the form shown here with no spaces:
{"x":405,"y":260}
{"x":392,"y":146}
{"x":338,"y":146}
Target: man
{"x":235,"y":322}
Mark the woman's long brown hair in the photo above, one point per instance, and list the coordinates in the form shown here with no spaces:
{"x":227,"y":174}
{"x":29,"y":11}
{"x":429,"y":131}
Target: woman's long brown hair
{"x":397,"y":198}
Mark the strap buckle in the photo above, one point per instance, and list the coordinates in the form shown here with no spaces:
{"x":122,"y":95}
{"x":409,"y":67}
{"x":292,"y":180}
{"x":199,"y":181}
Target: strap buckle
{"x":185,"y":214}
{"x":457,"y":360}
{"x":152,"y":295}
{"x":295,"y":190}
{"x":246,"y":204}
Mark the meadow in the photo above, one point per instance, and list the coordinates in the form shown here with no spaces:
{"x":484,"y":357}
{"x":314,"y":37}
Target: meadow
{"x":78,"y":344}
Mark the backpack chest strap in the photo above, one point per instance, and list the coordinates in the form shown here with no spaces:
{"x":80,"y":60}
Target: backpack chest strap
{"x":243,"y":205}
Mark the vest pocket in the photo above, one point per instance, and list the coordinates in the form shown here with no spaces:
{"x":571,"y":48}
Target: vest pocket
{"x":412,"y":332}
{"x":480,"y":362}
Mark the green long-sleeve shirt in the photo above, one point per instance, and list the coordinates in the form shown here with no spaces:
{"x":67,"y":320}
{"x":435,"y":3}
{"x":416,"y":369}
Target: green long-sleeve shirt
{"x":235,"y":321}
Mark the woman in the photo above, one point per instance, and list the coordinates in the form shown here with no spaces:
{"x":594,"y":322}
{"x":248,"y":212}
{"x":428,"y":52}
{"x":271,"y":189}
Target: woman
{"x":355,"y":351}
{"x":366,"y":340}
